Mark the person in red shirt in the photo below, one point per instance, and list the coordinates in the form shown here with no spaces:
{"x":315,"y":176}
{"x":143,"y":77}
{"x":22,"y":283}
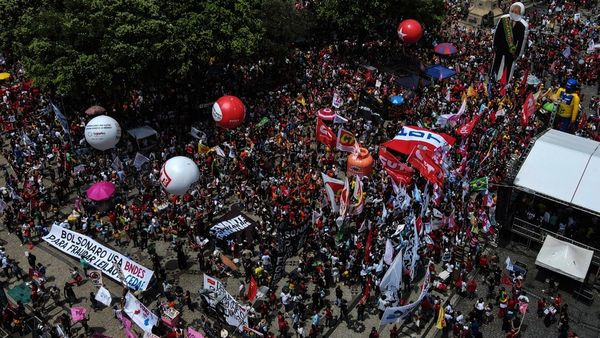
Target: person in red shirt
{"x":374,"y":333}
{"x":472,"y":288}
{"x":394,"y":332}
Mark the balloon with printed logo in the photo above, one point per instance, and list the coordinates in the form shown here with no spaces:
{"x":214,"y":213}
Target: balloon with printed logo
{"x":102,"y":132}
{"x":229,"y":112}
{"x":410,"y":31}
{"x":178,"y":174}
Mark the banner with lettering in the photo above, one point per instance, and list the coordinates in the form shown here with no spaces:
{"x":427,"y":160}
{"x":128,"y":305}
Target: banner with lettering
{"x":289,"y":241}
{"x":113,"y":264}
{"x":409,"y":137}
{"x":235,"y":314}
{"x":233,"y":222}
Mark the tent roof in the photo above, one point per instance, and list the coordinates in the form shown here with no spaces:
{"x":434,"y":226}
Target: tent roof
{"x":142,"y":132}
{"x":564,"y":167}
{"x":439,"y":72}
{"x":565,"y":258}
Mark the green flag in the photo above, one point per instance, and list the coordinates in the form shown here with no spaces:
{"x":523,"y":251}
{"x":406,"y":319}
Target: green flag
{"x":479,"y":184}
{"x":262,"y":122}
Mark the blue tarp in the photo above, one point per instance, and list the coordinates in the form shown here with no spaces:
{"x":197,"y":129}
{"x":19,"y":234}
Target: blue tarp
{"x":439,"y":72}
{"x":411,"y":81}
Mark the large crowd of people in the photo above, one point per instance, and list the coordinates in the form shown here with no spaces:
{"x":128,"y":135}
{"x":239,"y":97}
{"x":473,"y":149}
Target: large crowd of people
{"x":274,"y":171}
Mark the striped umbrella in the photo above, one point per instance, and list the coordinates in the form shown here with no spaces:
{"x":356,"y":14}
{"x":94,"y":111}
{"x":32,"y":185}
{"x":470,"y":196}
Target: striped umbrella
{"x":445,"y":49}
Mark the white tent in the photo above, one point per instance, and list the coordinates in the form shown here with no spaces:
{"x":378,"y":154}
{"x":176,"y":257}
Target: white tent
{"x":564,"y":167}
{"x":565,"y":258}
{"x":142,"y":132}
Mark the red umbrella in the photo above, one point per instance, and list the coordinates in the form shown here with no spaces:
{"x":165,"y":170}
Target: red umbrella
{"x":445,"y":49}
{"x":95,"y":110}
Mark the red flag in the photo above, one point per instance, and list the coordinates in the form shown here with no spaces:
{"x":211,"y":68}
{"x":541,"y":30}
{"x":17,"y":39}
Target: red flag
{"x":325,"y":134}
{"x":503,"y":81}
{"x":523,"y":84}
{"x":422,"y":160}
{"x":345,"y":141}
{"x":366,"y":290}
{"x":528,"y":109}
{"x":398,"y":171}
{"x":467,"y":128}
{"x":252,"y":289}
{"x":582,"y":121}
{"x":368,"y":246}
{"x":505,"y":280}
{"x":419,"y":225}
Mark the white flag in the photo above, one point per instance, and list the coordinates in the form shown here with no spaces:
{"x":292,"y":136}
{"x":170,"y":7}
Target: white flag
{"x":389,"y":252}
{"x":117,"y":164}
{"x":393,"y":276}
{"x":103,"y":296}
{"x":509,"y":264}
{"x":219,"y":151}
{"x":139,"y":160}
{"x":339,"y":119}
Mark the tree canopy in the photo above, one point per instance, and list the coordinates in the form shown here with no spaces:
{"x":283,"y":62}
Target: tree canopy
{"x":105,"y":48}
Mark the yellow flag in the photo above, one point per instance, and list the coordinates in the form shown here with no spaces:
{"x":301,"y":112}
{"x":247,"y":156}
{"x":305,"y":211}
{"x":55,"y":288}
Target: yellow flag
{"x":441,"y":322}
{"x":202,"y":149}
{"x":470,"y":91}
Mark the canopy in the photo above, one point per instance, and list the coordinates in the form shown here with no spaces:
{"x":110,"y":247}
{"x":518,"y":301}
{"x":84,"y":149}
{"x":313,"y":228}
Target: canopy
{"x":142,"y":132}
{"x":439,"y":72}
{"x":565,"y":258}
{"x":564,"y":167}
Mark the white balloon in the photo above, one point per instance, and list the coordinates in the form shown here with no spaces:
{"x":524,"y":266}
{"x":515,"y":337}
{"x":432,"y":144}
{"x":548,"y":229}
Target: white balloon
{"x":102,"y":132}
{"x":178,"y":174}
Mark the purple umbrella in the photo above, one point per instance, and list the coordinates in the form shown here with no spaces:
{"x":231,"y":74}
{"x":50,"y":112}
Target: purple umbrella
{"x":445,"y":49}
{"x":95,"y":110}
{"x":100,"y":191}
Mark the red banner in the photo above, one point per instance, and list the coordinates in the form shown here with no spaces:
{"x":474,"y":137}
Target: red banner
{"x":398,"y":171}
{"x":325,"y":134}
{"x":422,"y":160}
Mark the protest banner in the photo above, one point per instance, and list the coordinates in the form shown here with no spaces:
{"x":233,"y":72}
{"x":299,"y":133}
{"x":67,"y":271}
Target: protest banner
{"x":139,"y":313}
{"x":235,"y":314}
{"x":290,"y":240}
{"x":233,"y":222}
{"x":111,"y":263}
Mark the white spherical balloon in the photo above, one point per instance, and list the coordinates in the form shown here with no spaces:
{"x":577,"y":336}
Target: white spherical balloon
{"x":102,"y":132}
{"x":178,"y":174}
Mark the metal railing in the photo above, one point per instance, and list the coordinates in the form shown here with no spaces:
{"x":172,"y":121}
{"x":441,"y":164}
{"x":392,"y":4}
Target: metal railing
{"x":538,"y":234}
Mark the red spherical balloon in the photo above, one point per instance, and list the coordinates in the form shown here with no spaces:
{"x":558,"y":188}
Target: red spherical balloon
{"x":229,"y":112}
{"x":410,"y":31}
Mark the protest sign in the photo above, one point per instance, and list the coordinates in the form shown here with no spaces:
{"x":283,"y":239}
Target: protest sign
{"x":110,"y":262}
{"x":139,"y":313}
{"x":235,"y":314}
{"x":103,"y":296}
{"x":78,"y":313}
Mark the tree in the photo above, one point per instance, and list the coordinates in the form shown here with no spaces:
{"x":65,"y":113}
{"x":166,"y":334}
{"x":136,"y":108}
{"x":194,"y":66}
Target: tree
{"x":282,"y":24}
{"x":106,"y":48}
{"x":364,"y":18}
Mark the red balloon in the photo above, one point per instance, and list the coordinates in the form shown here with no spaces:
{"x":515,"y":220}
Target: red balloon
{"x":410,"y":31}
{"x":229,"y":112}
